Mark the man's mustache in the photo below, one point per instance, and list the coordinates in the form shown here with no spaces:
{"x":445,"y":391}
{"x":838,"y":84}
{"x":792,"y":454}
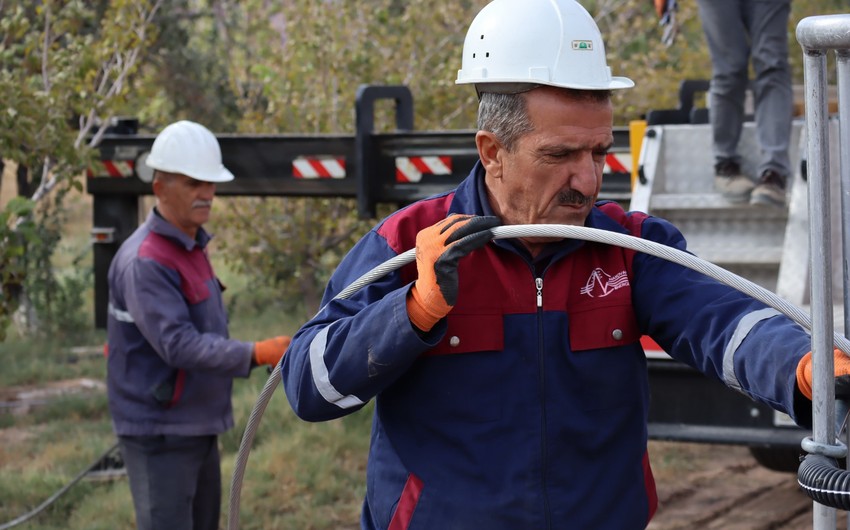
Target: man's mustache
{"x":200,"y":203}
{"x":574,"y":198}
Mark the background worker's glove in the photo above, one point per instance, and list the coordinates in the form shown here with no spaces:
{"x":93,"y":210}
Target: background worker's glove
{"x":270,"y":351}
{"x":842,"y":375}
{"x":438,"y":250}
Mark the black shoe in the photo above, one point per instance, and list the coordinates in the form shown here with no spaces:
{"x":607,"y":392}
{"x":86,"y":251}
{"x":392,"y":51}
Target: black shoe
{"x":770,"y":190}
{"x":730,"y":182}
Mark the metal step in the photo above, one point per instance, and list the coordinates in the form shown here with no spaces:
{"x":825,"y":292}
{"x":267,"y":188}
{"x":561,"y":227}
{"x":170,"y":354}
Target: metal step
{"x":732,"y":237}
{"x":714,"y":202}
{"x":769,"y":246}
{"x":678,"y":185}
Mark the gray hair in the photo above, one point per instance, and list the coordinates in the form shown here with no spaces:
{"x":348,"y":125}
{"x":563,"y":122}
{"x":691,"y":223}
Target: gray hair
{"x":506,"y":115}
{"x":163,"y":176}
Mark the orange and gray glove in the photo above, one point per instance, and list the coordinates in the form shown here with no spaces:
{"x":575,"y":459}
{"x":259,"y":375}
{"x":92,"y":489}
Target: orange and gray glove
{"x":270,"y":351}
{"x":438,"y":250}
{"x":842,"y":375}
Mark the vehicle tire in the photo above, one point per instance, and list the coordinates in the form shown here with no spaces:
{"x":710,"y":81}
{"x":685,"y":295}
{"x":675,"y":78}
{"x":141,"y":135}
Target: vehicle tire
{"x":784,"y":459}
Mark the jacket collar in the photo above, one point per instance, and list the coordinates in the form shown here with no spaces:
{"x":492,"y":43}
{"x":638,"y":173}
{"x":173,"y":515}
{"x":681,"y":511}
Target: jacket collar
{"x":159,"y":225}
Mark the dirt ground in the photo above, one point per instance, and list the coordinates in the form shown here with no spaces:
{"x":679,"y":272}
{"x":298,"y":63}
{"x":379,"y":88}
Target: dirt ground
{"x":19,"y":400}
{"x":723,"y":487}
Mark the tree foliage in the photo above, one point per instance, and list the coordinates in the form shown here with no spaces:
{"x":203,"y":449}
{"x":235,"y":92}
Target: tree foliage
{"x":271,"y":66}
{"x":185,"y":73}
{"x":295,"y":68}
{"x":64,"y":66}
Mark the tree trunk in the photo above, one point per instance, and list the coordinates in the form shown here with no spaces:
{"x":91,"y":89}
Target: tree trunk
{"x":23,"y":183}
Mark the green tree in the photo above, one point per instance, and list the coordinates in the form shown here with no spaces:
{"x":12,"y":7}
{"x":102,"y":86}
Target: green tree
{"x":185,"y":74}
{"x":296,"y":67}
{"x":64,"y":67}
{"x":270,"y":66}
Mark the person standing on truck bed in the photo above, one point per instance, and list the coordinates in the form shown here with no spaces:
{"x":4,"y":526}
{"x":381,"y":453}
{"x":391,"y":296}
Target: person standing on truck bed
{"x":171,"y":362}
{"x":511,"y":390}
{"x":737,"y":31}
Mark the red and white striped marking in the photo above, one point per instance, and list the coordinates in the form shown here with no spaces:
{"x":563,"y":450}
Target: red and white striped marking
{"x":618,"y":163}
{"x":411,"y":168}
{"x":111,"y":168}
{"x":651,"y":348}
{"x":318,"y":167}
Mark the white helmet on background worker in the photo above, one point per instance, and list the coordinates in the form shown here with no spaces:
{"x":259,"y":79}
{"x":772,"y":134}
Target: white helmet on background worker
{"x":514,"y":45}
{"x":190,"y":149}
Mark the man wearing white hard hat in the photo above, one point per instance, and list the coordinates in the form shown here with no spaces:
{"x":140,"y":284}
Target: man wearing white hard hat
{"x":171,"y":362}
{"x":510,"y":386}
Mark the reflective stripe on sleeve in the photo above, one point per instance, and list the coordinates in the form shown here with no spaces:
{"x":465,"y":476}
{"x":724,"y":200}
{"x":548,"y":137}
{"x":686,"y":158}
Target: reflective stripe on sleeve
{"x":321,"y":377}
{"x":745,"y":325}
{"x":120,"y":316}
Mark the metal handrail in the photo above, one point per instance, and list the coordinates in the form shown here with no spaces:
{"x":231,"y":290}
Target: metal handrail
{"x":817,"y":36}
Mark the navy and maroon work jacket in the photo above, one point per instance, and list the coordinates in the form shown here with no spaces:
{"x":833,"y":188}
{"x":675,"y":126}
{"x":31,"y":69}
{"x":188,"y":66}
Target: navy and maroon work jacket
{"x":526,"y":407}
{"x":171,"y":362}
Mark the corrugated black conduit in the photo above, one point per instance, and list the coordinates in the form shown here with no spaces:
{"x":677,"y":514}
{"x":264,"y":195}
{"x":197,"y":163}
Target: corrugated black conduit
{"x":824,"y":481}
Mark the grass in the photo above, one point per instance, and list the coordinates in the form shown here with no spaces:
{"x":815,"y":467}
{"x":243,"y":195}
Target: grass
{"x":299,"y":475}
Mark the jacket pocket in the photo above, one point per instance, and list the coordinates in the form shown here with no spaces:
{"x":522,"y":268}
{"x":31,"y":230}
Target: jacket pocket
{"x":406,"y":505}
{"x":454,"y":381}
{"x":605,"y":350}
{"x":168,"y":391}
{"x":603,"y":327}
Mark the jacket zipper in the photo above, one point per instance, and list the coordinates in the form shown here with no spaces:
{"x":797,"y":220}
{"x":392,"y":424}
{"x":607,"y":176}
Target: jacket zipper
{"x":538,"y":285}
{"x":538,"y":282}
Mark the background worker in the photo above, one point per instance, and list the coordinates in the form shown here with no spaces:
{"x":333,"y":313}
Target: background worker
{"x":510,"y":386}
{"x":171,"y":362}
{"x":737,"y":31}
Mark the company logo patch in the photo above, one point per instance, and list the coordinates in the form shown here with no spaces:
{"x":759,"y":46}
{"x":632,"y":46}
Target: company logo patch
{"x":600,"y":284}
{"x":583,"y":45}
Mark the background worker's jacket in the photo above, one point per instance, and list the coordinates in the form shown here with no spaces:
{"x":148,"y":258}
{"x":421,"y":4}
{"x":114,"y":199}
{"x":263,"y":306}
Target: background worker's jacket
{"x":171,"y":364}
{"x":526,"y":408}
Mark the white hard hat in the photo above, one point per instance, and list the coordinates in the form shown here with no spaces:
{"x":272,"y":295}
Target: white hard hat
{"x":512,"y":44}
{"x":190,"y":149}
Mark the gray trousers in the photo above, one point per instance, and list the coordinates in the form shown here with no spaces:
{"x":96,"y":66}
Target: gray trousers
{"x":175,"y":481}
{"x":737,"y":31}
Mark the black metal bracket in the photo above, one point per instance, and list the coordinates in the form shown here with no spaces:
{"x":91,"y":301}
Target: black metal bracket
{"x":365,"y":155}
